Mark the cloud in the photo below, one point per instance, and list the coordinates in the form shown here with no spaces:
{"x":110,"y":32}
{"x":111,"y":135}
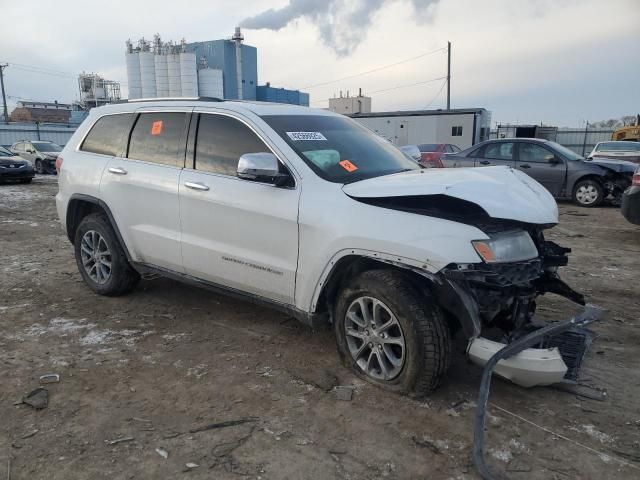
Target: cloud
{"x":342,"y":24}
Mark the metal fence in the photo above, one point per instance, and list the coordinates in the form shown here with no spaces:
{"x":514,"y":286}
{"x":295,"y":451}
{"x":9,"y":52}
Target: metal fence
{"x":14,"y":132}
{"x":580,"y":140}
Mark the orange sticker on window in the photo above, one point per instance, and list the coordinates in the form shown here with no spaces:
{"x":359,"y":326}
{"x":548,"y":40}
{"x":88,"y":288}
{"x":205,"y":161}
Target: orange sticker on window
{"x":156,"y":127}
{"x":348,"y":166}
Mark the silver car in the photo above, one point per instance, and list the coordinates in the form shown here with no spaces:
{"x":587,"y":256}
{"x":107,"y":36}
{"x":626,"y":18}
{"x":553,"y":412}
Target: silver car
{"x":588,"y":182}
{"x":40,"y":153}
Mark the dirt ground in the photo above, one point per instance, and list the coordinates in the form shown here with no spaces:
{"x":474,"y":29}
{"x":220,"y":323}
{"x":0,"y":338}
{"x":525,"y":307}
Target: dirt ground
{"x":158,"y":366}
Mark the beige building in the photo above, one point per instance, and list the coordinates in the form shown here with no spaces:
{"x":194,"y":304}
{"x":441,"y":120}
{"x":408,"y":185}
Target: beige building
{"x":350,"y":105}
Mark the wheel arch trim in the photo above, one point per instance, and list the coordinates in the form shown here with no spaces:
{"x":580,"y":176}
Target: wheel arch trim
{"x":80,"y":197}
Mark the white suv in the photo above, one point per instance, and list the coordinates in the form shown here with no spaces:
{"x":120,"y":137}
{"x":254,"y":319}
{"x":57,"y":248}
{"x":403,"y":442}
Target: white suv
{"x":309,"y":212}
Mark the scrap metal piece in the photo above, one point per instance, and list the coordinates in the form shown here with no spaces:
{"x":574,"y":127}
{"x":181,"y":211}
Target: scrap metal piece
{"x":50,"y":378}
{"x":590,"y":314}
{"x":38,"y":398}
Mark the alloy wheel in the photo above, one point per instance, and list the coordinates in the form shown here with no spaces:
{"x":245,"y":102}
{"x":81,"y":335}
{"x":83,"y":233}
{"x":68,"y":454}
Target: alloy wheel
{"x":375,"y":338}
{"x":586,"y":194}
{"x":96,"y":257}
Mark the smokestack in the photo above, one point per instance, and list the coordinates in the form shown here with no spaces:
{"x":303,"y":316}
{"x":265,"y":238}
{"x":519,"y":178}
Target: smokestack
{"x":238,"y":38}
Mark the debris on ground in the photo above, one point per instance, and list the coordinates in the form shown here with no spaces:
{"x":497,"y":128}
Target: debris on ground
{"x":38,"y":398}
{"x":191,"y":466}
{"x":228,"y":423}
{"x":344,"y":393}
{"x":426,"y":443}
{"x":162,"y":452}
{"x":119,"y":440}
{"x":49,"y":378}
{"x":30,"y":434}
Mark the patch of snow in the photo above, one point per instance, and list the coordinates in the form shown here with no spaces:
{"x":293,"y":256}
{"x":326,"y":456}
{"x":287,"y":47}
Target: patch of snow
{"x":502,"y":455}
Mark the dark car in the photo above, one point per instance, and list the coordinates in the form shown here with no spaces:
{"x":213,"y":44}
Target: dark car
{"x":431,"y":153}
{"x":588,"y":182}
{"x":41,"y":154}
{"x":14,"y":168}
{"x":631,"y":200}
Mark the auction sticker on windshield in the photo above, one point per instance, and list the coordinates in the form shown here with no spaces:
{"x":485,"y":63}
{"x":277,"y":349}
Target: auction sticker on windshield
{"x":300,"y":136}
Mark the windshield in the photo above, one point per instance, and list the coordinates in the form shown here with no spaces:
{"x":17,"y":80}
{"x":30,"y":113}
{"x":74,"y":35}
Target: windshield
{"x":47,"y":147}
{"x":618,"y":147}
{"x":569,"y":154}
{"x":338,"y":149}
{"x":5,"y":153}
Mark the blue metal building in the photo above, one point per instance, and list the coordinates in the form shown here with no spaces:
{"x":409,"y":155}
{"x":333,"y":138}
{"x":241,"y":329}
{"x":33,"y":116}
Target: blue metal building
{"x":221,"y":54}
{"x":267,"y":93}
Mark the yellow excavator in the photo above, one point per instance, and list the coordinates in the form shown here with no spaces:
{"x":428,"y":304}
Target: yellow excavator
{"x":630,"y":133}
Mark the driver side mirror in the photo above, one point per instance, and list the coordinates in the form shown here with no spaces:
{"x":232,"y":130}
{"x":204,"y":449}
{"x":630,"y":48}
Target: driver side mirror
{"x":552,"y":159}
{"x":30,"y":150}
{"x":262,"y":167}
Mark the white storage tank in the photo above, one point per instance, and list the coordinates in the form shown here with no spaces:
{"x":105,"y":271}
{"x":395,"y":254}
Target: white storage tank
{"x":162,"y":75}
{"x":173,"y":70}
{"x":210,"y":83}
{"x":133,"y":75}
{"x":148,"y":74}
{"x":188,"y":74}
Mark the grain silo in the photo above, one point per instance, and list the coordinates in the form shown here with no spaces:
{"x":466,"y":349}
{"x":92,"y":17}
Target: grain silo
{"x":133,"y":72}
{"x":162,"y":73}
{"x":210,"y":83}
{"x":188,"y":73}
{"x":173,"y":70}
{"x":147,"y":70}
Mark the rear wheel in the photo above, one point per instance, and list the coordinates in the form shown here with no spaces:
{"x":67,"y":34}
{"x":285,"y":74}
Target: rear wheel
{"x":391,"y":334}
{"x":101,"y":259}
{"x":588,"y":193}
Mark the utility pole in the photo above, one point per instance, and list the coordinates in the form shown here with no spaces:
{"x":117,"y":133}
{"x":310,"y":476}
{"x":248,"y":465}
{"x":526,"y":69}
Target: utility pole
{"x":4,"y":97}
{"x":448,"y":75}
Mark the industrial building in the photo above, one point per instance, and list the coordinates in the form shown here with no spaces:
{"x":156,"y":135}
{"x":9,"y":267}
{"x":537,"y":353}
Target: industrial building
{"x":350,"y":105}
{"x":41,"y":112}
{"x":95,"y":91}
{"x":461,"y":127}
{"x":225,"y":68}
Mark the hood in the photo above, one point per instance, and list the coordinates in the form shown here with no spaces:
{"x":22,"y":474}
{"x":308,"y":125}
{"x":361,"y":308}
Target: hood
{"x":14,"y":160}
{"x":620,"y":166}
{"x":502,"y":192}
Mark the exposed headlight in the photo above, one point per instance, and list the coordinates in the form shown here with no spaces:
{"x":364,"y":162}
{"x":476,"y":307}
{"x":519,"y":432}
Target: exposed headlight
{"x":506,"y":247}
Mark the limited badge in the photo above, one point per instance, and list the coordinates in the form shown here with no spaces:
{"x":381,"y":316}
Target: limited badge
{"x":156,"y":127}
{"x":348,"y":166}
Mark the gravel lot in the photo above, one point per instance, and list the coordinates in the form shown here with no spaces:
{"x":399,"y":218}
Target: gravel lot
{"x":158,"y":366}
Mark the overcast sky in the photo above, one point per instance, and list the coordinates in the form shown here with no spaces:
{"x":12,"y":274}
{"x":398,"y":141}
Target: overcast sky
{"x":561,"y":62}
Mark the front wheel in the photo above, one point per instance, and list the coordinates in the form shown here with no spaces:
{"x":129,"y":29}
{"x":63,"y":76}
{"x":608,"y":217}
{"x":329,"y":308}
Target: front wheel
{"x":39,"y":167}
{"x":391,"y":334}
{"x":588,"y":193}
{"x":101,"y":259}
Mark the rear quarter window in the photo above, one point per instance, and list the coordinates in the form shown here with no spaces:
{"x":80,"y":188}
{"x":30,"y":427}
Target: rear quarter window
{"x":108,"y":135}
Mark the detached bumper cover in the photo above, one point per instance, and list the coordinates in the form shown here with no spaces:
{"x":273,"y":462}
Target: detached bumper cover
{"x":529,"y":368}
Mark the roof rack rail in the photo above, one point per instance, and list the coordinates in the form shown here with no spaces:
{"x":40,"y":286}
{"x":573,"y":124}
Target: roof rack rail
{"x":174,"y":99}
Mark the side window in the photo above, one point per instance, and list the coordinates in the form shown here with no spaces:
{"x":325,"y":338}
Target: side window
{"x":530,"y":152}
{"x":18,"y":147}
{"x":499,"y":151}
{"x":456,"y":131}
{"x":108,"y":135}
{"x":454,"y":148}
{"x":158,"y":138}
{"x":221,"y":141}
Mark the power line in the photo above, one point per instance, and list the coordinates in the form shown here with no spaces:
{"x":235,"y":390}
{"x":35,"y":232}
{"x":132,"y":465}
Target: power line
{"x":437,"y":94}
{"x":393,"y":88}
{"x":441,"y":49}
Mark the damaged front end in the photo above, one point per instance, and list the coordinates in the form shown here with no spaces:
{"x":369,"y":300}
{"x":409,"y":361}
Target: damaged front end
{"x":495,"y":303}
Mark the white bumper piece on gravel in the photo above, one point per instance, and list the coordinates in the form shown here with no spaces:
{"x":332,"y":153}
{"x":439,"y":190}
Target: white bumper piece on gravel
{"x":529,"y":368}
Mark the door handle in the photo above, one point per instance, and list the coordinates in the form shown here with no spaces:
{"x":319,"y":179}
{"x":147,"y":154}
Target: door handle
{"x":117,"y":170}
{"x":525,"y":165}
{"x":196,"y":186}
{"x":485,"y":162}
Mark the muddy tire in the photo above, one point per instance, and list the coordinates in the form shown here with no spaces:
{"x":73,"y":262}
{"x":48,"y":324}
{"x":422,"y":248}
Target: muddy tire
{"x":391,"y":334}
{"x":101,"y":259}
{"x":588,"y":193}
{"x":39,"y":167}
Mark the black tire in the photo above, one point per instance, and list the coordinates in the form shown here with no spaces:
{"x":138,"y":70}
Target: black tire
{"x":590,"y":185}
{"x":123,"y":278}
{"x":426,"y":335}
{"x":26,"y":180}
{"x":39,"y":167}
